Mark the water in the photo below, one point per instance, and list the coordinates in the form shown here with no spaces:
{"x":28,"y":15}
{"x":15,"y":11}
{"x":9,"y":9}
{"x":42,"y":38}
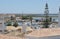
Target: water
{"x":54,"y":19}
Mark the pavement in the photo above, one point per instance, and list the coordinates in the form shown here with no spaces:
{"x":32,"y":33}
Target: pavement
{"x":49,"y":37}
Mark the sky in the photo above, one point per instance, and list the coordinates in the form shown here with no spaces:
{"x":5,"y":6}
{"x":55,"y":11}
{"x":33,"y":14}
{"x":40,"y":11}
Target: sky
{"x":28,"y":6}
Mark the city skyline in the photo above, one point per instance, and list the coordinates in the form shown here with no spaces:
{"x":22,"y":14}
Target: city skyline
{"x":29,"y":6}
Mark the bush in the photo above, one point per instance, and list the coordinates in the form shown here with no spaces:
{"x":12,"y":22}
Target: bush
{"x":12,"y":18}
{"x":19,"y":29}
{"x":31,"y":19}
{"x":24,"y":17}
{"x":46,"y":23}
{"x":9,"y":24}
{"x":15,"y":24}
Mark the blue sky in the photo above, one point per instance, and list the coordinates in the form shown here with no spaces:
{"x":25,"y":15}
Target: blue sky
{"x":28,"y":6}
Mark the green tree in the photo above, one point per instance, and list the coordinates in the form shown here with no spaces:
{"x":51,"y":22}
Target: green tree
{"x":31,"y":19}
{"x":12,"y":18}
{"x":46,"y":23}
{"x":25,"y":17}
{"x":8,"y":23}
{"x":15,"y":24}
{"x":50,"y":19}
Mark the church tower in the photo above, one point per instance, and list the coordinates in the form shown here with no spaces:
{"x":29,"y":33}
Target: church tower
{"x":46,"y":20}
{"x":46,"y":9}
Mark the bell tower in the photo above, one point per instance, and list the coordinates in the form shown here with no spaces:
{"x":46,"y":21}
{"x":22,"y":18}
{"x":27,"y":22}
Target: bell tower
{"x":46,"y":9}
{"x":46,"y":14}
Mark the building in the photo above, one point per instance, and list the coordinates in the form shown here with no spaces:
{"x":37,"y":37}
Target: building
{"x":59,"y":17}
{"x":2,"y":26}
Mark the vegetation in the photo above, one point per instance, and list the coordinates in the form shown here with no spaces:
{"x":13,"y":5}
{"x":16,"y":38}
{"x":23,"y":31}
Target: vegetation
{"x":46,"y":23}
{"x":31,"y":19}
{"x":50,"y":19}
{"x":15,"y":24}
{"x":25,"y":17}
{"x":12,"y":18}
{"x":9,"y":23}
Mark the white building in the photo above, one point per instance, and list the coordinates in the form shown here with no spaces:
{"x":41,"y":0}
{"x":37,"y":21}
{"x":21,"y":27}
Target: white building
{"x":2,"y":27}
{"x":59,"y":18}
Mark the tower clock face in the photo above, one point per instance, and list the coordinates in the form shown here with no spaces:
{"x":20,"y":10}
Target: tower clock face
{"x":46,"y":9}
{"x":46,"y":12}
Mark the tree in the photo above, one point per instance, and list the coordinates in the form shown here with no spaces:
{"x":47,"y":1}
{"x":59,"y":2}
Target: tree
{"x":50,"y":19}
{"x":31,"y":19}
{"x":46,"y":23}
{"x":24,"y":17}
{"x":15,"y":24}
{"x":9,"y":24}
{"x":12,"y":18}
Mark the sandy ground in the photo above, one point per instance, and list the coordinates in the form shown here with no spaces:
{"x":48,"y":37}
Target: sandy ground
{"x":15,"y":28}
{"x":45,"y":32}
{"x":12,"y":35}
{"x":8,"y":37}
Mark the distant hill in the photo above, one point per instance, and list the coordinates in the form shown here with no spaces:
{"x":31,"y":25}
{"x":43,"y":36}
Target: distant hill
{"x":36,"y":15}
